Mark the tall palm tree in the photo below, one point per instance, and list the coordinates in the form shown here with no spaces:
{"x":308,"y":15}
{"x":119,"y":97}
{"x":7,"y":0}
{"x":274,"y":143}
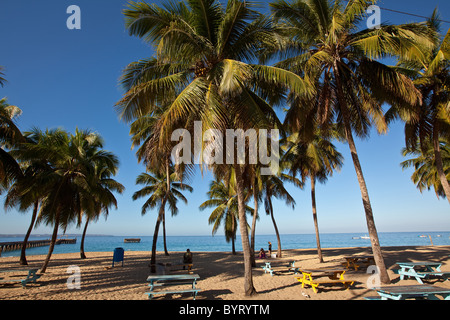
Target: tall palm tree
{"x":222,"y":197}
{"x":159,"y":194}
{"x":314,"y":159}
{"x":429,"y":120}
{"x":425,"y":173}
{"x":273,"y":186}
{"x":101,"y":186}
{"x":204,"y":62}
{"x":330,"y":48}
{"x":65,"y":183}
{"x":10,"y":137}
{"x":27,"y":192}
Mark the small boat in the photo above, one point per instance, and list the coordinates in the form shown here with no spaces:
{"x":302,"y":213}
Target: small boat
{"x":422,"y":236}
{"x":365,"y":237}
{"x":134,"y":240}
{"x":355,"y":238}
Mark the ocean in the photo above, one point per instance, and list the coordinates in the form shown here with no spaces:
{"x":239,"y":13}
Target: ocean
{"x":218,"y":243}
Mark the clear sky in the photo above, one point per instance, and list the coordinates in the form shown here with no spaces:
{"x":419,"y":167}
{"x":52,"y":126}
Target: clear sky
{"x":69,"y":78}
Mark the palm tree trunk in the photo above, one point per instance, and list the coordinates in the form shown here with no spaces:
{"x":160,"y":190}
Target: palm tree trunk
{"x":23,"y":257}
{"x":164,"y":214}
{"x":82,"y":255}
{"x":253,"y":232}
{"x":376,"y":249}
{"x":314,"y":210}
{"x":155,"y":237}
{"x":248,"y":276}
{"x":438,"y":162}
{"x":164,"y":234}
{"x":52,"y":243}
{"x":276,"y":228}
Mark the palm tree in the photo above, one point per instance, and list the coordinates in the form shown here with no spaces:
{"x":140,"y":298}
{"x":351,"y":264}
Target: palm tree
{"x":314,"y":159}
{"x":425,"y":173}
{"x":329,"y":48}
{"x":65,"y":182}
{"x":273,"y":186}
{"x":26,"y":192}
{"x":10,"y":137}
{"x":204,"y":62}
{"x":429,"y":120}
{"x":222,"y":197}
{"x":101,"y":185}
{"x":159,"y":194}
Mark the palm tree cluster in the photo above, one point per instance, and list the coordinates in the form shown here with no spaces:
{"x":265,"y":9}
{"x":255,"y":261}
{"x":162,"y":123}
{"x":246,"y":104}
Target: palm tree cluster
{"x":65,"y":178}
{"x":229,"y":65}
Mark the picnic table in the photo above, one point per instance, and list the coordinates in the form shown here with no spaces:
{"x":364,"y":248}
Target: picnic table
{"x":271,"y":269}
{"x":166,"y":281}
{"x":356,"y":262}
{"x":421,"y":270}
{"x":316,"y":277}
{"x":167,"y":267}
{"x":411,"y":292}
{"x":25,"y":275}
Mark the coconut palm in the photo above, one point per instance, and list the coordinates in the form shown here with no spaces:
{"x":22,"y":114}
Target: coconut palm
{"x":314,"y":159}
{"x":10,"y":137}
{"x":330,"y":48}
{"x":222,"y":197}
{"x":26,"y":192}
{"x":101,"y":186}
{"x":204,"y":55}
{"x":429,"y":120}
{"x":65,"y":183}
{"x":425,"y":173}
{"x":273,"y":186}
{"x":159,"y":194}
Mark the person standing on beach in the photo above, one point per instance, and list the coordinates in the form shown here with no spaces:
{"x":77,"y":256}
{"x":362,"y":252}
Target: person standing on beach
{"x":187,"y":258}
{"x":270,"y":248}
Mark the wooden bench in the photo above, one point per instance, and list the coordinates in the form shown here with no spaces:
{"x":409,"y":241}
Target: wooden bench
{"x":272,"y":269}
{"x":357,"y":262}
{"x":168,"y":281}
{"x":316,"y":277}
{"x":421,"y":270}
{"x":30,"y":277}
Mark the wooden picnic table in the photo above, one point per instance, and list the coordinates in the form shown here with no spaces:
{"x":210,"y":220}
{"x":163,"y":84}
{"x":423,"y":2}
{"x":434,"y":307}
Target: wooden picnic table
{"x":356,"y":262}
{"x":316,"y":277}
{"x":411,"y":292}
{"x":421,"y":270}
{"x":268,"y":267}
{"x":165,"y":281}
{"x":31,"y":275}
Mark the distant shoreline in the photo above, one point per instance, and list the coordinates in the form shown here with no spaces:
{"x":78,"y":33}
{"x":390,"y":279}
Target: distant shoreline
{"x":209,"y":235}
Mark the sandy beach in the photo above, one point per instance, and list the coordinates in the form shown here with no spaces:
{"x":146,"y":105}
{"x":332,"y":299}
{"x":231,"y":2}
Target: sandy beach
{"x":221,"y":275}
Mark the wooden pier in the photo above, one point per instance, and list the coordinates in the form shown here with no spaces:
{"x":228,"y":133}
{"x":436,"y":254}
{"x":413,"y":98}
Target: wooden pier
{"x":17,"y":245}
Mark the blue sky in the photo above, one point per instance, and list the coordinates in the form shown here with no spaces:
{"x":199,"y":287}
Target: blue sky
{"x":69,"y":78}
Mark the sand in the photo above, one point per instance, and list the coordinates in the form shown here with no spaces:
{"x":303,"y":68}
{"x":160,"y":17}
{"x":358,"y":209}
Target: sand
{"x":221,"y":275}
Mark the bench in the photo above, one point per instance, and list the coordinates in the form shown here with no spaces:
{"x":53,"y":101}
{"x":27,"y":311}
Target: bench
{"x":271,"y":269}
{"x":421,"y":270}
{"x":314,"y":278}
{"x":166,"y":281}
{"x":30,"y":277}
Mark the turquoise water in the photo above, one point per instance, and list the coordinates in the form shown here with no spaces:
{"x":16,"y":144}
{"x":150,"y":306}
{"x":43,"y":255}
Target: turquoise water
{"x":218,"y":243}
